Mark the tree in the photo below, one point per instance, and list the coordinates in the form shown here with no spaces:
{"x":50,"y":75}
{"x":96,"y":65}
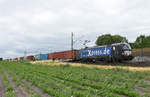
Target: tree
{"x":142,"y":42}
{"x":108,"y":39}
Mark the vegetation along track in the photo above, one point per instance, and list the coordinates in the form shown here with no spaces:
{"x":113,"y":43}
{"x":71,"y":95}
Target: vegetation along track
{"x":66,"y":81}
{"x":124,"y":65}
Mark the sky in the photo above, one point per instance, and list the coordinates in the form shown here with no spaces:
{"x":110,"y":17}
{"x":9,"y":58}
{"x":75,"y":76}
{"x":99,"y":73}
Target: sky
{"x":41,"y":26}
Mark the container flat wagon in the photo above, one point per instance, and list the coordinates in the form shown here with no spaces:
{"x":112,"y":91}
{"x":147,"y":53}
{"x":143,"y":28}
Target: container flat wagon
{"x":70,"y":54}
{"x":43,"y":56}
{"x":30,"y":58}
{"x":37,"y":57}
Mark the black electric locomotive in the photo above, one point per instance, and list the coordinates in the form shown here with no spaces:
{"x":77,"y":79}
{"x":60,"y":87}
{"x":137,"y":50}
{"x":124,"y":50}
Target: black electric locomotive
{"x":113,"y":52}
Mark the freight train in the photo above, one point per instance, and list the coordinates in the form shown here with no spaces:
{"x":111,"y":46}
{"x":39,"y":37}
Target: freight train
{"x":113,"y":52}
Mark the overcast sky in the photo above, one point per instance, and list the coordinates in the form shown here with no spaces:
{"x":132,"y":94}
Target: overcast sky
{"x":46,"y":25}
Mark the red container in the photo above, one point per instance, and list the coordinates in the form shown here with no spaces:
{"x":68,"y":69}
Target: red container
{"x":31,"y":58}
{"x":16,"y":59}
{"x":21,"y":58}
{"x":70,"y":54}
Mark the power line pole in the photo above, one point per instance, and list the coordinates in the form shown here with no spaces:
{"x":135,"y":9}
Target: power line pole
{"x":25,"y":53}
{"x":72,"y":43}
{"x":71,"y":40}
{"x":85,"y":42}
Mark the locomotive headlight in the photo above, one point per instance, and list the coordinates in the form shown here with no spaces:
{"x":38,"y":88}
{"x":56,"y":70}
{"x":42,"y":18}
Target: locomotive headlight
{"x":127,"y":53}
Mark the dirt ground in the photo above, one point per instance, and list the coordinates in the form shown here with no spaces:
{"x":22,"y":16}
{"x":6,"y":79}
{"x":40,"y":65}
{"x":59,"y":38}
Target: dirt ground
{"x":35,"y":89}
{"x":2,"y":88}
{"x":20,"y":91}
{"x":49,"y":62}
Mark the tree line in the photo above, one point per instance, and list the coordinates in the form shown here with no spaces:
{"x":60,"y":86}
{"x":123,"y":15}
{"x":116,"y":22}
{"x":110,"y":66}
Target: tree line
{"x":141,"y":41}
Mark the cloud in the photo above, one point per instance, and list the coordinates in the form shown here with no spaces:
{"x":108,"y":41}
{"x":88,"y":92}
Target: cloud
{"x":44,"y":26}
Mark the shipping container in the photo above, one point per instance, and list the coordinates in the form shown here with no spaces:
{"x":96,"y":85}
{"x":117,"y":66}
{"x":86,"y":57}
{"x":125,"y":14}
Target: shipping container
{"x":30,"y":58}
{"x":43,"y":56}
{"x":16,"y":59}
{"x":21,"y":58}
{"x":37,"y":57}
{"x":70,"y":54}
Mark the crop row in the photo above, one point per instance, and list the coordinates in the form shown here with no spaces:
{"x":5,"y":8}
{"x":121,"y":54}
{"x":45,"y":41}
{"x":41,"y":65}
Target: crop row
{"x":18,"y":82}
{"x":9,"y":90}
{"x":67,"y":81}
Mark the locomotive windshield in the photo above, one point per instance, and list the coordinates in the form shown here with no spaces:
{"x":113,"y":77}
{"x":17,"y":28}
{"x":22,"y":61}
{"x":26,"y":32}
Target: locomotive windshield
{"x":126,"y":46}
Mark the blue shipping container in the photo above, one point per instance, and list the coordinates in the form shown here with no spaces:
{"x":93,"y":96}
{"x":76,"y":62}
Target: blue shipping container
{"x":95,"y":52}
{"x":43,"y":56}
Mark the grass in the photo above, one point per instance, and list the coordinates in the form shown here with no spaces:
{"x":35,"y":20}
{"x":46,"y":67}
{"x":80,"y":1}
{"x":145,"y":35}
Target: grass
{"x":58,"y":63}
{"x":66,"y":80}
{"x":8,"y":88}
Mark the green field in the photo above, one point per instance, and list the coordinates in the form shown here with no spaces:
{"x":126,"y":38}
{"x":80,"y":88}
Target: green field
{"x":68,"y":81}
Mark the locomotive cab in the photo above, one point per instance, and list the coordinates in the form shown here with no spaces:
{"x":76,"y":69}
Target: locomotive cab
{"x":121,"y":51}
{"x":126,"y":51}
